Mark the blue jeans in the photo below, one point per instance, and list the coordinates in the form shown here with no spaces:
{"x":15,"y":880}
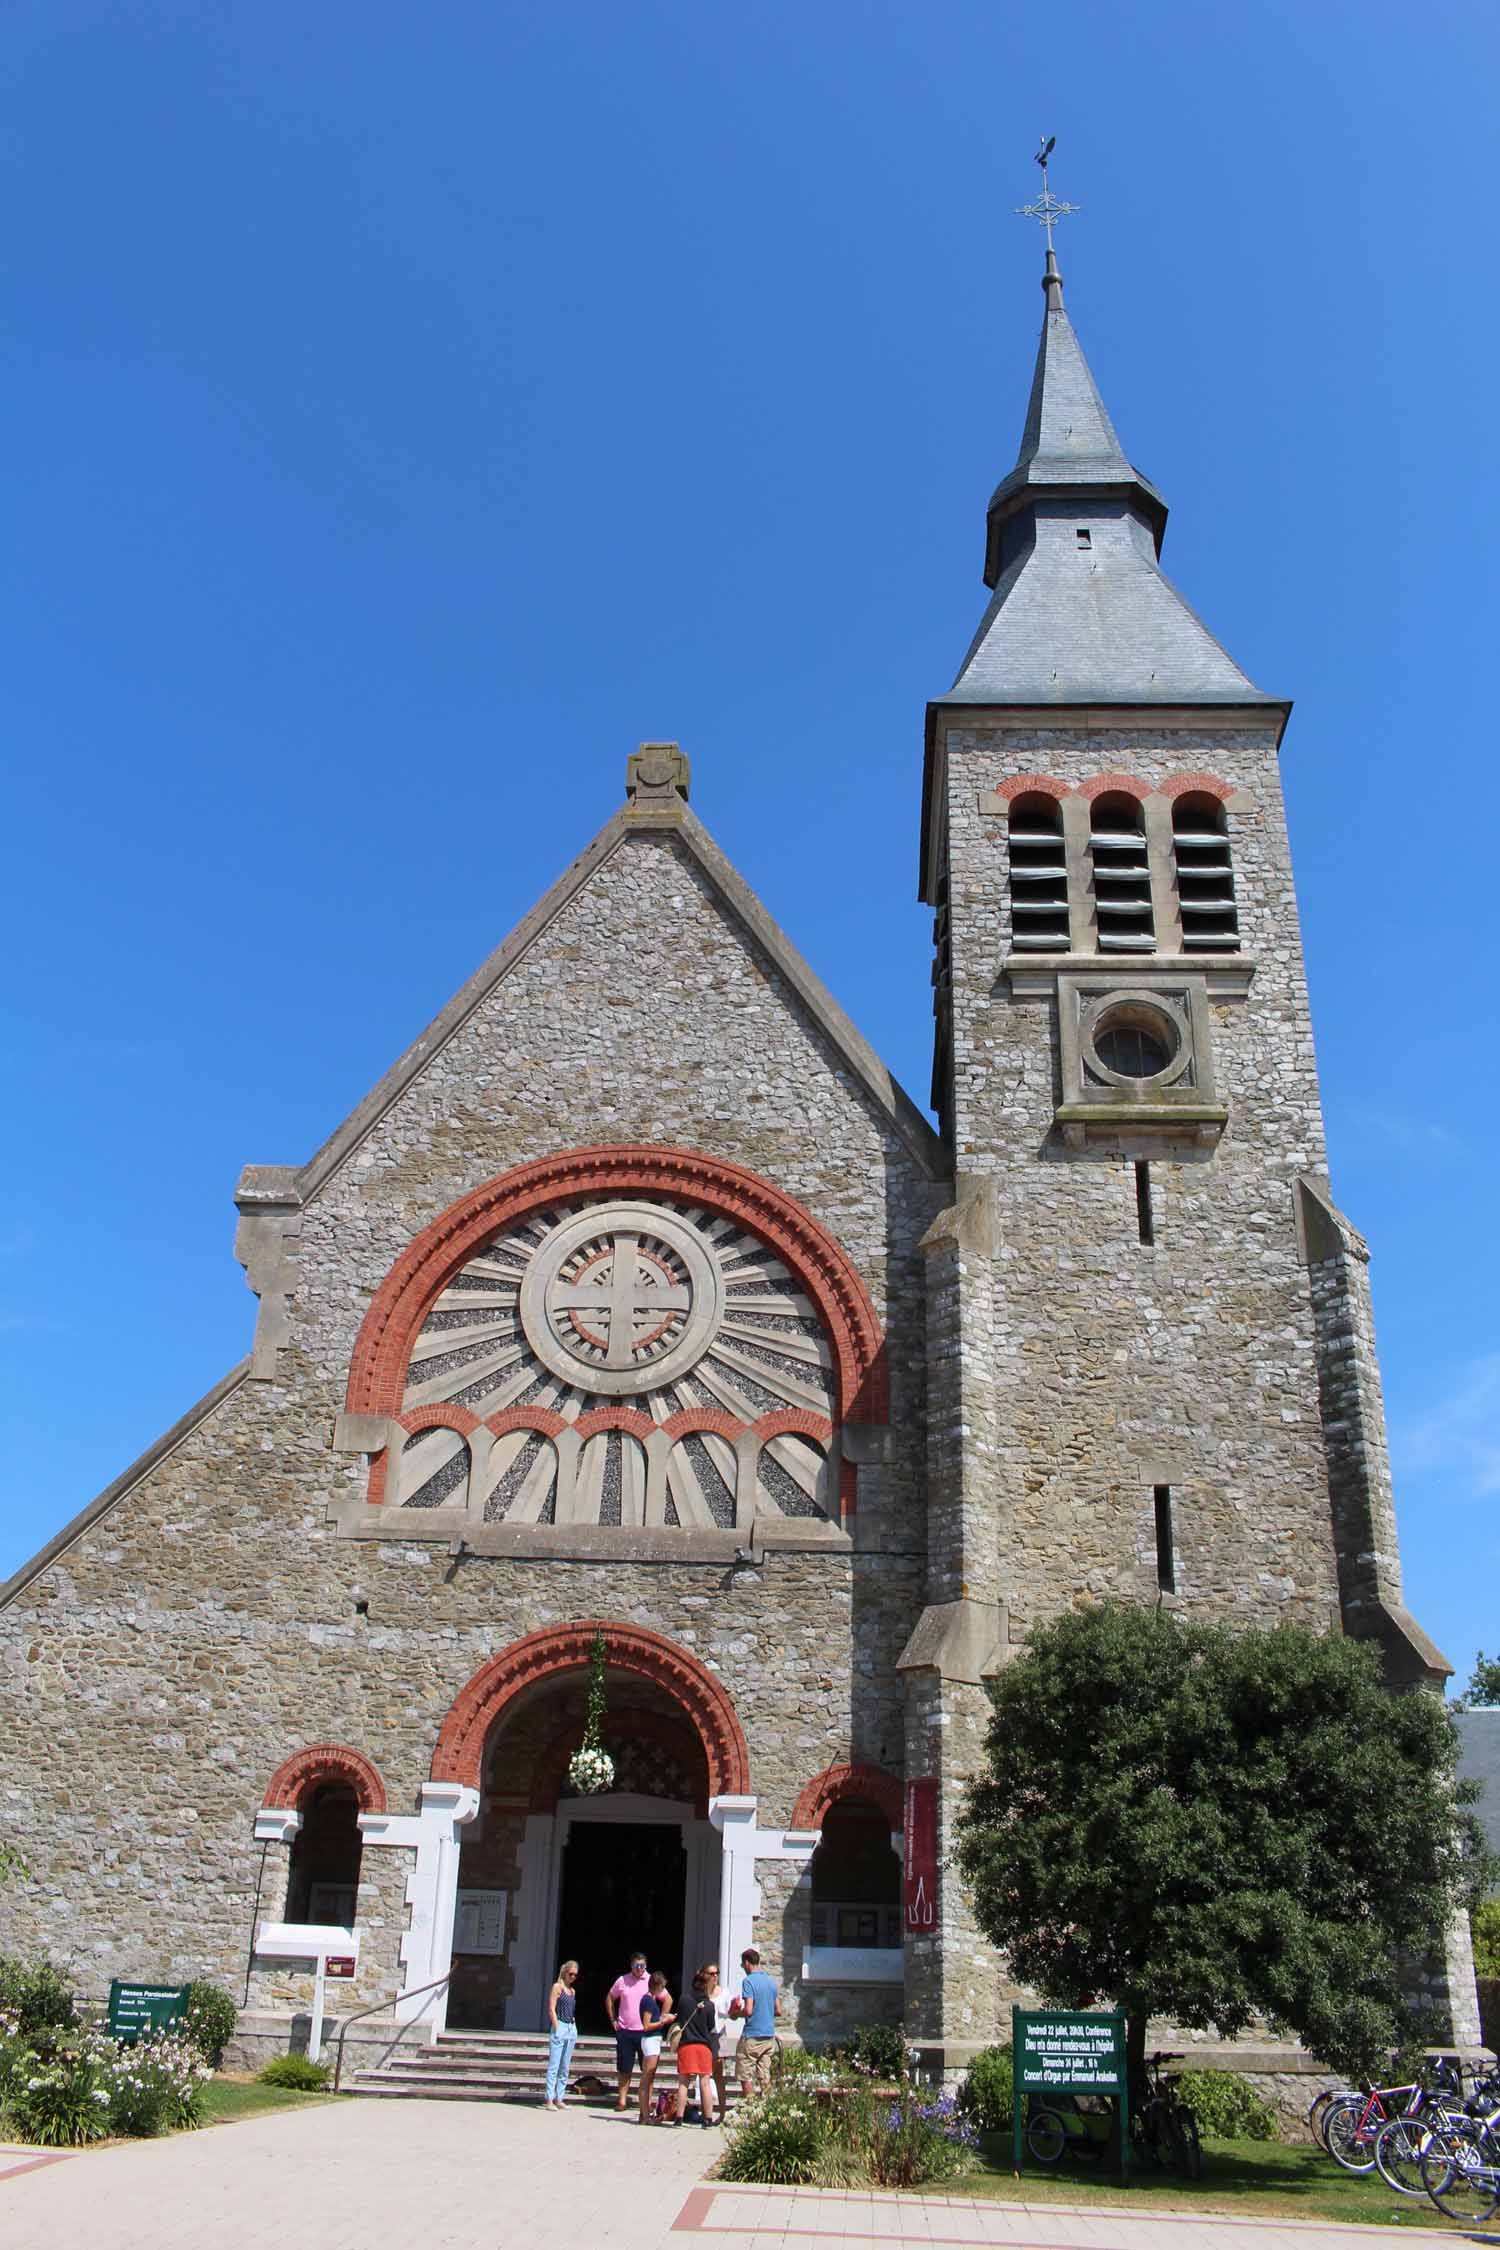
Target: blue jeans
{"x":559,"y":2055}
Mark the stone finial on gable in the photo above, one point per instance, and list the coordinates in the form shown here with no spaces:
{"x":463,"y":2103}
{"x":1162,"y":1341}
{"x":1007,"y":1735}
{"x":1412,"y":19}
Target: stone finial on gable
{"x":658,"y":773}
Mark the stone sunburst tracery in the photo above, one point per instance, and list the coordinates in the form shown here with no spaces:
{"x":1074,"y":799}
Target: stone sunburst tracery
{"x":617,"y":1362}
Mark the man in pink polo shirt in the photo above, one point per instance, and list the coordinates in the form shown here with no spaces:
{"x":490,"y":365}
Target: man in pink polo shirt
{"x":623,"y":2000}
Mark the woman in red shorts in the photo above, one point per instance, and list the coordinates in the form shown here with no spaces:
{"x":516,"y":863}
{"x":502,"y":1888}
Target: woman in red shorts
{"x":696,"y":2050}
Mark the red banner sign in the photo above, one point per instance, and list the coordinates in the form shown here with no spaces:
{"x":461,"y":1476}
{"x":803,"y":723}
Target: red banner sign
{"x":921,"y":1854}
{"x":340,"y":1965}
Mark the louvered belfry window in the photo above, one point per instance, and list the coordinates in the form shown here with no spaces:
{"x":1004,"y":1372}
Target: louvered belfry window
{"x":1205,"y":876}
{"x":1038,"y":876}
{"x":1122,"y":875}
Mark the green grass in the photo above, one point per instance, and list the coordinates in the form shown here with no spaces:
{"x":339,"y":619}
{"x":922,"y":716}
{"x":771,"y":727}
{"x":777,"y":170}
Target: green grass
{"x":1258,"y":2179}
{"x":225,"y":2099}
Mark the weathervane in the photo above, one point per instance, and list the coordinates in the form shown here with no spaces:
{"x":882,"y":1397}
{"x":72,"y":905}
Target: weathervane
{"x":1046,"y":208}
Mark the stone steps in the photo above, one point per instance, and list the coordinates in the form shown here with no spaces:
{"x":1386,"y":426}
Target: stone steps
{"x":489,"y":2066}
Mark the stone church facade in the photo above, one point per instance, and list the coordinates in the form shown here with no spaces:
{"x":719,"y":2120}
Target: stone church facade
{"x":652,"y":1308}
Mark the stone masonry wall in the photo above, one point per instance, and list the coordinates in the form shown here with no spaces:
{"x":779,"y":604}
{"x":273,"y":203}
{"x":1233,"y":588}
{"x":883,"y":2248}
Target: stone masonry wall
{"x":1119,"y":1366}
{"x":212,"y":1620}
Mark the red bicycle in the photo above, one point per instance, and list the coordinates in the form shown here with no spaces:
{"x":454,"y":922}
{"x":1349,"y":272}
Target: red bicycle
{"x":1351,"y":2124}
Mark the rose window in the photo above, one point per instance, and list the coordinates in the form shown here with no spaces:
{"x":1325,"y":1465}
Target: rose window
{"x":630,"y":1363}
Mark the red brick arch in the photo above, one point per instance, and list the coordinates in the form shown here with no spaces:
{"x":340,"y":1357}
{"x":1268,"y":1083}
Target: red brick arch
{"x":871,"y":1784}
{"x":1198,"y":785}
{"x":325,"y":1761}
{"x":1115,"y":785}
{"x":416,"y":1419}
{"x":703,"y":1700}
{"x":823,"y":1269}
{"x":1034,"y":785}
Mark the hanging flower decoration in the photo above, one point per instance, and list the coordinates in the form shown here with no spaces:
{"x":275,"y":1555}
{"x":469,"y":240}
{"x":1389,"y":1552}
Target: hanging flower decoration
{"x":591,"y":1769}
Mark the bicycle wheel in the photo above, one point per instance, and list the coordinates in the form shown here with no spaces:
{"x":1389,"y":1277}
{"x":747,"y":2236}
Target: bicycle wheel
{"x":1350,"y":2141}
{"x":1398,"y":2153}
{"x":1319,"y":2106}
{"x":1045,"y":2135}
{"x":1187,"y":2147}
{"x":1461,"y":2172}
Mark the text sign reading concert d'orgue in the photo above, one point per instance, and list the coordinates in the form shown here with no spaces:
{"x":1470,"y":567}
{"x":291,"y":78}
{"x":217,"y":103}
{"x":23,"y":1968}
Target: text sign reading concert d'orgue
{"x":1079,"y":2053}
{"x":1069,"y":2051}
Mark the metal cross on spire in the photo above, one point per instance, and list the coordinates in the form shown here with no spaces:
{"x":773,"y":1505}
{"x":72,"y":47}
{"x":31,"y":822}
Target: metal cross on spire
{"x":1046,"y":208}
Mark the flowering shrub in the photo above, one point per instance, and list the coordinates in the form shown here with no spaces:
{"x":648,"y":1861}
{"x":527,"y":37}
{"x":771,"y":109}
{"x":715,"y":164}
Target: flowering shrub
{"x":96,"y":2085}
{"x":879,"y":2050}
{"x":776,"y":2138}
{"x":211,"y":2019}
{"x":59,"y":2104}
{"x":37,"y":1995}
{"x":915,"y":2141}
{"x":156,"y":2086}
{"x":14,"y":2051}
{"x":798,"y":2133}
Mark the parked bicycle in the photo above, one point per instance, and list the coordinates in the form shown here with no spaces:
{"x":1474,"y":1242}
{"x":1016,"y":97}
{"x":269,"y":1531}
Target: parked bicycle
{"x":1461,"y":2163}
{"x":1399,"y":2142}
{"x":1352,"y":2121}
{"x":1163,"y":2130}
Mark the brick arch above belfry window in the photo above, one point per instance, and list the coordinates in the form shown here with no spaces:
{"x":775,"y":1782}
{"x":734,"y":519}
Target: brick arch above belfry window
{"x":836,"y":1785}
{"x":305,"y":1769}
{"x":826,"y":1274}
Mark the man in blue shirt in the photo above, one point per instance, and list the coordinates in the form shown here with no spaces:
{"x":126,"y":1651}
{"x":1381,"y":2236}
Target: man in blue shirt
{"x":760,"y":2004}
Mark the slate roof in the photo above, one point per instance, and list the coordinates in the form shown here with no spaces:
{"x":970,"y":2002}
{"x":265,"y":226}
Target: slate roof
{"x":1479,"y":1760}
{"x":1081,"y":611}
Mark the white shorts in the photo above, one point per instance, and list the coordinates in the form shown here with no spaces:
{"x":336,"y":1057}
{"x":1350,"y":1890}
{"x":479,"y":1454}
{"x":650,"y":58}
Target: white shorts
{"x":651,"y":2047}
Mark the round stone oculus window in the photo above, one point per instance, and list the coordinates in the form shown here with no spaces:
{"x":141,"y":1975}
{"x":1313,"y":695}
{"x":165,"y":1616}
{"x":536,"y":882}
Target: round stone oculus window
{"x":1131,"y":1050}
{"x":1135,"y":1042}
{"x":622,"y":1298}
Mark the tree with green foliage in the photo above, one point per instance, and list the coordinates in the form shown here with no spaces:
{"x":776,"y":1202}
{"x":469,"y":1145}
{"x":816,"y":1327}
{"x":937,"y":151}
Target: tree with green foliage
{"x":1485,"y":1925}
{"x":1483,"y":1690}
{"x":1212,"y":1826}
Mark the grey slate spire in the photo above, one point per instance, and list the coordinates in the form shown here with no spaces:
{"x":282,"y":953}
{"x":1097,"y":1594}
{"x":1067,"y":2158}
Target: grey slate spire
{"x":1081,"y":611}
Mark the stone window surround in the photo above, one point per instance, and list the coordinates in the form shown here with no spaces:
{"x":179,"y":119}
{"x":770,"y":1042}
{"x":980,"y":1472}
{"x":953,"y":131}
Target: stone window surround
{"x":372,"y":1420}
{"x":1075,"y":802}
{"x":871,"y":1785}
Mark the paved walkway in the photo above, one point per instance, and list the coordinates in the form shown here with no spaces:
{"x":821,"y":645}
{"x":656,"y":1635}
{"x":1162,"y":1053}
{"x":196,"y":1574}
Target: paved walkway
{"x":377,"y":2175}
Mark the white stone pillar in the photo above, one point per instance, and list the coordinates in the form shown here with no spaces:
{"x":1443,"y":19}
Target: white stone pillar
{"x":739,"y":1892}
{"x":431,"y":1892}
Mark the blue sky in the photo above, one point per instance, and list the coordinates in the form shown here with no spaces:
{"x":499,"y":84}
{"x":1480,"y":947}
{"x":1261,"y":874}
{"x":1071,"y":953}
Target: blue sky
{"x":410,"y":410}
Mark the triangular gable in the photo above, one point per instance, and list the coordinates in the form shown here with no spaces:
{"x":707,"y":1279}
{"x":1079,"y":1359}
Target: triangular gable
{"x":278,"y":1183}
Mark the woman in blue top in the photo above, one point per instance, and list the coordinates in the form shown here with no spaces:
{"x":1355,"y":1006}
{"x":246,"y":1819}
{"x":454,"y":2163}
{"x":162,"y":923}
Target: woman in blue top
{"x":562,"y":2020}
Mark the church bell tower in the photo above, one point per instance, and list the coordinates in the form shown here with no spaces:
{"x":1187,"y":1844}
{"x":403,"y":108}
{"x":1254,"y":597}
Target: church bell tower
{"x":1151,"y":1359}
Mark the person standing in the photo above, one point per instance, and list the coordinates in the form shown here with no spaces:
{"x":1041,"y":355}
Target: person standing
{"x":623,"y":2001}
{"x":656,"y":2016}
{"x":726,"y":2027}
{"x":760,"y":2001}
{"x":562,"y":2020}
{"x":697,"y":2050}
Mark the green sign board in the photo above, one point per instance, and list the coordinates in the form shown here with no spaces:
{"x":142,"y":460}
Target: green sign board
{"x":134,"y":2008}
{"x":1061,"y":2051}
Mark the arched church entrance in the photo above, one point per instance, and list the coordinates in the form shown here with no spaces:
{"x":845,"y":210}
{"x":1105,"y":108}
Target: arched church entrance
{"x":544,"y":1872}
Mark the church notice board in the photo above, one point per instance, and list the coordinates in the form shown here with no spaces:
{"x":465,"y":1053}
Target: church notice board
{"x":1070,"y":2051}
{"x":134,"y":2008}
